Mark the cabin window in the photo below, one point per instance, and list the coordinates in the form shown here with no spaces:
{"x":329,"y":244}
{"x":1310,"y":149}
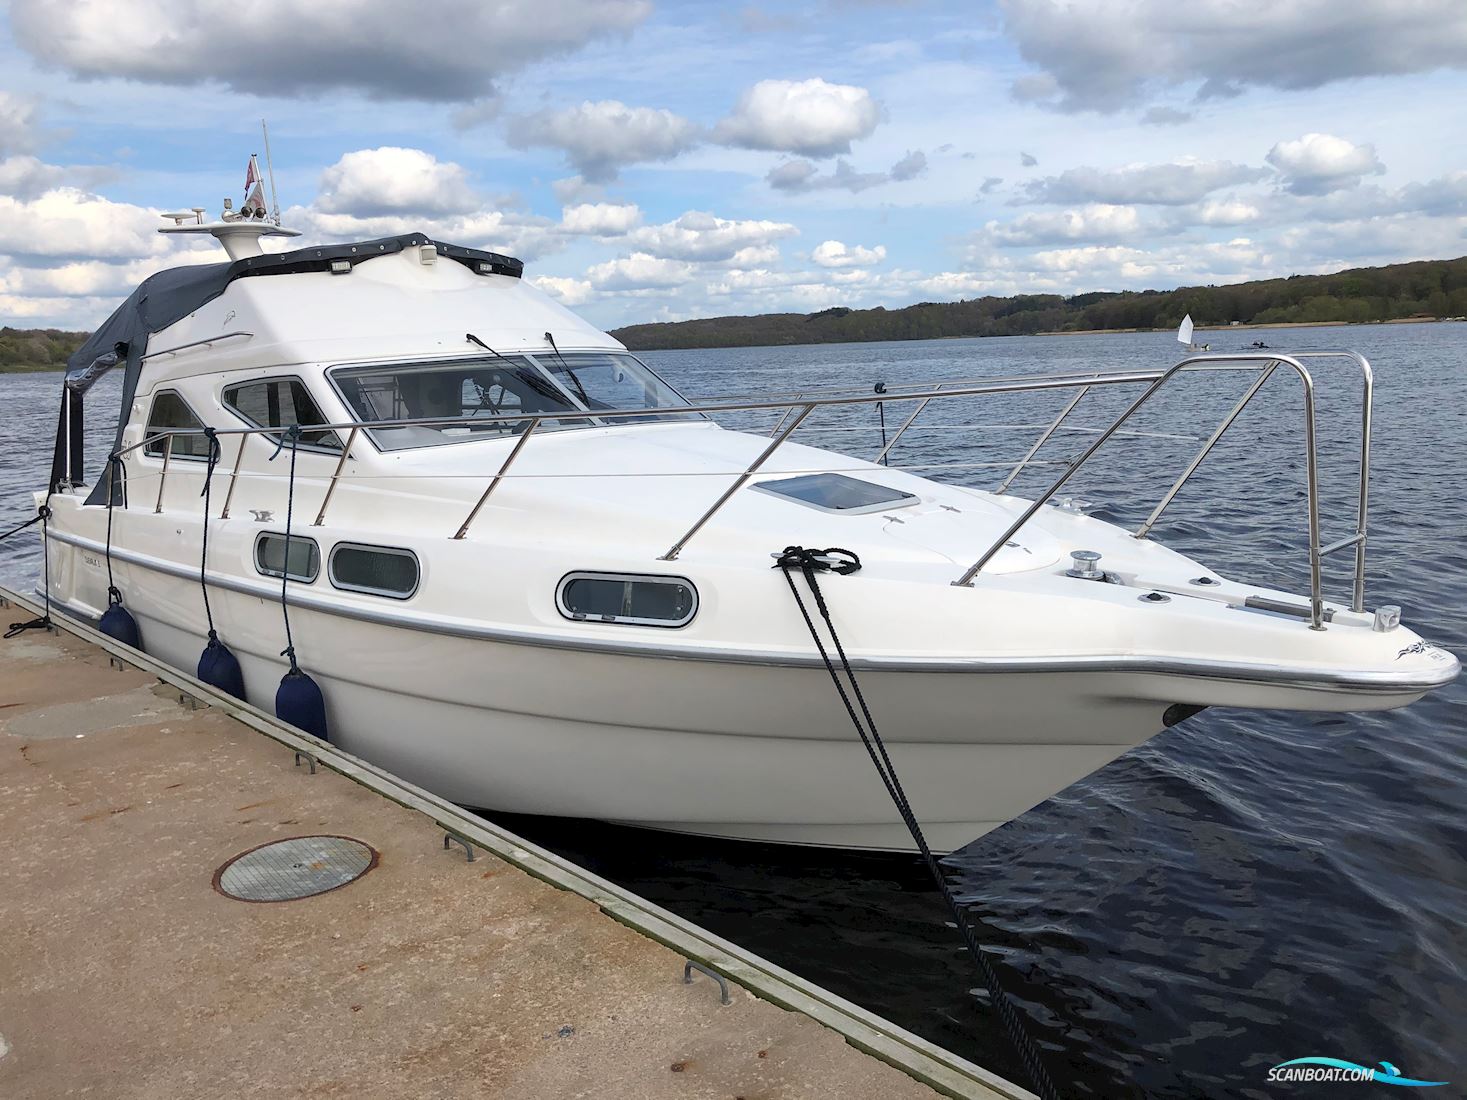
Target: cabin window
{"x":281,"y":403}
{"x":171,"y":411}
{"x":377,"y":570}
{"x":838,"y":493}
{"x":635,"y":599}
{"x":304,"y":564}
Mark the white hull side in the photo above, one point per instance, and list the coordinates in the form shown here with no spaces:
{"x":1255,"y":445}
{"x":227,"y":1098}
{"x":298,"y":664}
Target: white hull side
{"x":746,"y":751}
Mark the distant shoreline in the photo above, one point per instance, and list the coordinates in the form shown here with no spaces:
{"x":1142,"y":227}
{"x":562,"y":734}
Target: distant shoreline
{"x":1266,"y":324}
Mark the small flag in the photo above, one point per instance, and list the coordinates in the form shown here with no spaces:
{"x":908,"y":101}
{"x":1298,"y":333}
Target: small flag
{"x":252,"y":176}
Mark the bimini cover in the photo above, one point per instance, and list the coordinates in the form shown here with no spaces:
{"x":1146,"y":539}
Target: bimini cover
{"x":170,"y":296}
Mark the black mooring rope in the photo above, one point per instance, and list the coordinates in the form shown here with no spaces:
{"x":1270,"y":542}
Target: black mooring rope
{"x":43,"y":517}
{"x":114,"y":596}
{"x":835,"y":560}
{"x":213,"y":438}
{"x":17,"y":530}
{"x":881,"y":412}
{"x":292,"y":436}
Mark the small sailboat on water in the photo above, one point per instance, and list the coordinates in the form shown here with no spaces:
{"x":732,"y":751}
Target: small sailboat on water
{"x":1184,"y":336}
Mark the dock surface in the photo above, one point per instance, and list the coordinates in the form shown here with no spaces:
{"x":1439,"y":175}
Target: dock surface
{"x":127,"y":973}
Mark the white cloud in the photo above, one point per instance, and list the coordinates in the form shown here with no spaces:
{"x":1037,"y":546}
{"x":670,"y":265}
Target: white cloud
{"x":1095,"y":222}
{"x":1317,"y":164}
{"x":570,"y":292}
{"x":525,"y":236}
{"x":809,"y":117}
{"x":393,"y":180}
{"x":452,"y":50}
{"x":599,"y":138}
{"x":955,"y":284}
{"x":799,"y":175}
{"x":706,"y":238}
{"x":601,"y":219}
{"x":1227,"y":212}
{"x":26,"y":177}
{"x":639,"y":271}
{"x":1166,"y":116}
{"x":838,"y":254}
{"x":1172,"y":184}
{"x":910,"y":166}
{"x":68,"y":223}
{"x":575,"y":189}
{"x":17,"y":123}
{"x":1103,"y":55}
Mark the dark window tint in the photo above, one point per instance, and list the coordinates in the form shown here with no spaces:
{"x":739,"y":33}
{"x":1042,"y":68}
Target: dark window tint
{"x":171,"y":411}
{"x":280,"y":403}
{"x":838,"y":493}
{"x":305,"y":558}
{"x":618,"y":598}
{"x":380,"y":570}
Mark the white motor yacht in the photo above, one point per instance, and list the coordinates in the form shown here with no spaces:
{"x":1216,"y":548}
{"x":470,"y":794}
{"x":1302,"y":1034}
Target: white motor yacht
{"x":529,"y":575}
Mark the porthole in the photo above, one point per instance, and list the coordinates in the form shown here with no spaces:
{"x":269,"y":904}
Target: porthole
{"x":376,"y":570}
{"x":305,"y":557}
{"x":631,"y":598}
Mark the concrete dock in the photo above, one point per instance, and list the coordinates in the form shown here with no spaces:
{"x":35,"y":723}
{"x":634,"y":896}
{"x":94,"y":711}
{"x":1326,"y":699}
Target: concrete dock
{"x":128,"y":971}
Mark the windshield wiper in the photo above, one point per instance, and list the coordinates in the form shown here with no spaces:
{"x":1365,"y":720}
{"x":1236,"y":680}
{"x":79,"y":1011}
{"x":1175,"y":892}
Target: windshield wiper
{"x":542,"y":386}
{"x":579,"y":388}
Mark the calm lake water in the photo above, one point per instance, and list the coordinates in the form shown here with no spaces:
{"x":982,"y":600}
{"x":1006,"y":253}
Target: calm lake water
{"x":1244,"y":888}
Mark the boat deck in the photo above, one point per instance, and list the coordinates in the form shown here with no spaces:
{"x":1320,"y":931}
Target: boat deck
{"x":125,"y":786}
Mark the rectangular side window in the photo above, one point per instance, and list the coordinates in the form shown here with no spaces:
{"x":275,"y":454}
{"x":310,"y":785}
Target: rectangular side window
{"x":281,"y":403}
{"x":171,"y":411}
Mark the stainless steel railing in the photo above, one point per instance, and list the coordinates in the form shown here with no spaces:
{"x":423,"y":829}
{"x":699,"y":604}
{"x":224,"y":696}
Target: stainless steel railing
{"x":796,"y":410}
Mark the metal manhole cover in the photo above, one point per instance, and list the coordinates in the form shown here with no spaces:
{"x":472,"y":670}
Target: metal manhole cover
{"x":297,"y":868}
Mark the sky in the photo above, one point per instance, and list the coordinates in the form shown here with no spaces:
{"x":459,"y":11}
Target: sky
{"x":660,"y":160}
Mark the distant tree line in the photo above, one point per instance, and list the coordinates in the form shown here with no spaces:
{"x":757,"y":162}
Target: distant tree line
{"x":37,"y":348}
{"x":1432,"y":288}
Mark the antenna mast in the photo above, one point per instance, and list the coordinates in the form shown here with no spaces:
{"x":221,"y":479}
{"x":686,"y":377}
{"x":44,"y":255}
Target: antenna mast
{"x":270,"y":167}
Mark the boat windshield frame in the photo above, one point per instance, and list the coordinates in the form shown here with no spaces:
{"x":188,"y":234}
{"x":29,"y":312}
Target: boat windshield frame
{"x":543,"y":372}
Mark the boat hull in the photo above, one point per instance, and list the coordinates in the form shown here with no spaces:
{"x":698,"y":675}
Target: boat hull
{"x":751,"y":748}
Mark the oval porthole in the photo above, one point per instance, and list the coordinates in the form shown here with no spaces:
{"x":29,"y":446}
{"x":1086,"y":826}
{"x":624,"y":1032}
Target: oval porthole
{"x":375,"y":570}
{"x":634,"y":599}
{"x":304,"y":563}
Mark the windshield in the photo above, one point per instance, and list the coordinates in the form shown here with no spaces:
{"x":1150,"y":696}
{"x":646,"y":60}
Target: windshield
{"x":607,"y":380}
{"x":482,"y":388}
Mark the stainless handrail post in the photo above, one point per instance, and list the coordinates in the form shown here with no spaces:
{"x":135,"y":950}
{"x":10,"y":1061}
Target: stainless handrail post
{"x":886,"y":450}
{"x":1042,"y":440}
{"x":1316,"y":582}
{"x":514,"y":453}
{"x":1227,"y":421}
{"x":233,"y":476}
{"x":1367,"y":402}
{"x":336,"y":473}
{"x":738,"y":484}
{"x":163,"y":477}
{"x":775,"y":430}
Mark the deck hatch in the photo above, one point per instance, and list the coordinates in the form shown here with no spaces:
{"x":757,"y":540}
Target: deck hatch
{"x":838,"y":493}
{"x":632,"y":598}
